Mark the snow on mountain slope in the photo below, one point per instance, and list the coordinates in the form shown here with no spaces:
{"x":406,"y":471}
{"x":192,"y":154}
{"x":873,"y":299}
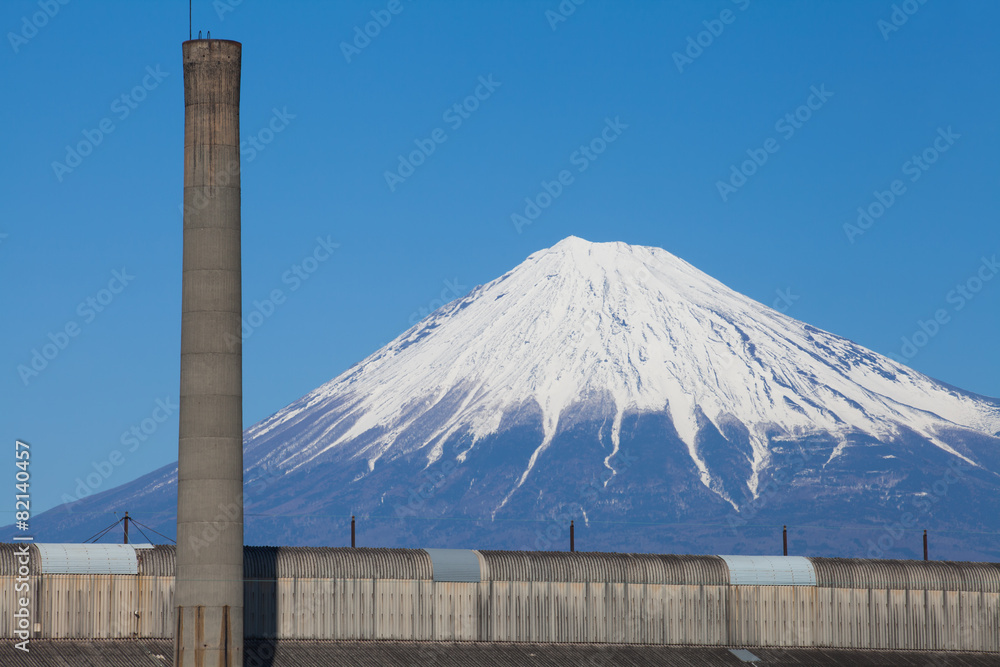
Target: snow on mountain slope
{"x":608,"y":328}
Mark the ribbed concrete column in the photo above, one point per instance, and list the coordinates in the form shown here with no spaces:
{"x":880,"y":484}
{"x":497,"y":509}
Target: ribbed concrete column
{"x":209,"y":574}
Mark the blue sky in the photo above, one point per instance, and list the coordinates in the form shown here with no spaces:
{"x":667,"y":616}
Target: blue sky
{"x":692,"y":89}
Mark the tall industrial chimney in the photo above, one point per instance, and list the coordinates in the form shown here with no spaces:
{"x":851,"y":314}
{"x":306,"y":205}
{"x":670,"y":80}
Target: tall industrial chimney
{"x":209,"y":572}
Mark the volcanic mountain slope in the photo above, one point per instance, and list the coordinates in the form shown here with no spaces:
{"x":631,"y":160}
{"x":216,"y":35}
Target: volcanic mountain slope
{"x":619,"y":386}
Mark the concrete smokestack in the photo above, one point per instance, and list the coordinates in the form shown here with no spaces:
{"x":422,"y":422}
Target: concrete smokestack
{"x":209,"y":571}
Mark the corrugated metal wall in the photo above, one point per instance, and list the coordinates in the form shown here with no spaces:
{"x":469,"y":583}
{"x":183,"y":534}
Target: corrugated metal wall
{"x":88,"y":605}
{"x":539,"y":597}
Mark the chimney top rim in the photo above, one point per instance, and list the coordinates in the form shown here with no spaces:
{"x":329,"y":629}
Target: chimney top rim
{"x":213,"y":39}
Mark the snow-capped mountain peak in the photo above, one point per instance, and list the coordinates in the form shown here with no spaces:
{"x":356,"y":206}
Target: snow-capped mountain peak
{"x":621,"y":387}
{"x":594,"y":331}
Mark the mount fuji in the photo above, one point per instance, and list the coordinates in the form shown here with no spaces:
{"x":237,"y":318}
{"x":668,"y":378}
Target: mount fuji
{"x":621,"y":388}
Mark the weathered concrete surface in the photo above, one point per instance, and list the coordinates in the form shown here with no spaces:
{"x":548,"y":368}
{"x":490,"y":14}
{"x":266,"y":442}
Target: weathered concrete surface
{"x":208,"y":624}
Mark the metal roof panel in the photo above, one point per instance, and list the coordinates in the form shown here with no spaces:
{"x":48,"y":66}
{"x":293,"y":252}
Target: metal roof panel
{"x":335,"y":563}
{"x":907,"y":574}
{"x":595,"y":566}
{"x":88,"y":559}
{"x":460,"y":565}
{"x":770,"y":570}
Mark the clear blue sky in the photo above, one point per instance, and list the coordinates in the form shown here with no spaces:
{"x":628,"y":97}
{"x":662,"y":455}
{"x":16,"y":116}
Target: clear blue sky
{"x":447,"y":226}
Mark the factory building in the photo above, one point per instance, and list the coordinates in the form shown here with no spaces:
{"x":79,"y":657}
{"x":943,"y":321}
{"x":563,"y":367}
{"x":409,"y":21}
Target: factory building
{"x":432,"y":599}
